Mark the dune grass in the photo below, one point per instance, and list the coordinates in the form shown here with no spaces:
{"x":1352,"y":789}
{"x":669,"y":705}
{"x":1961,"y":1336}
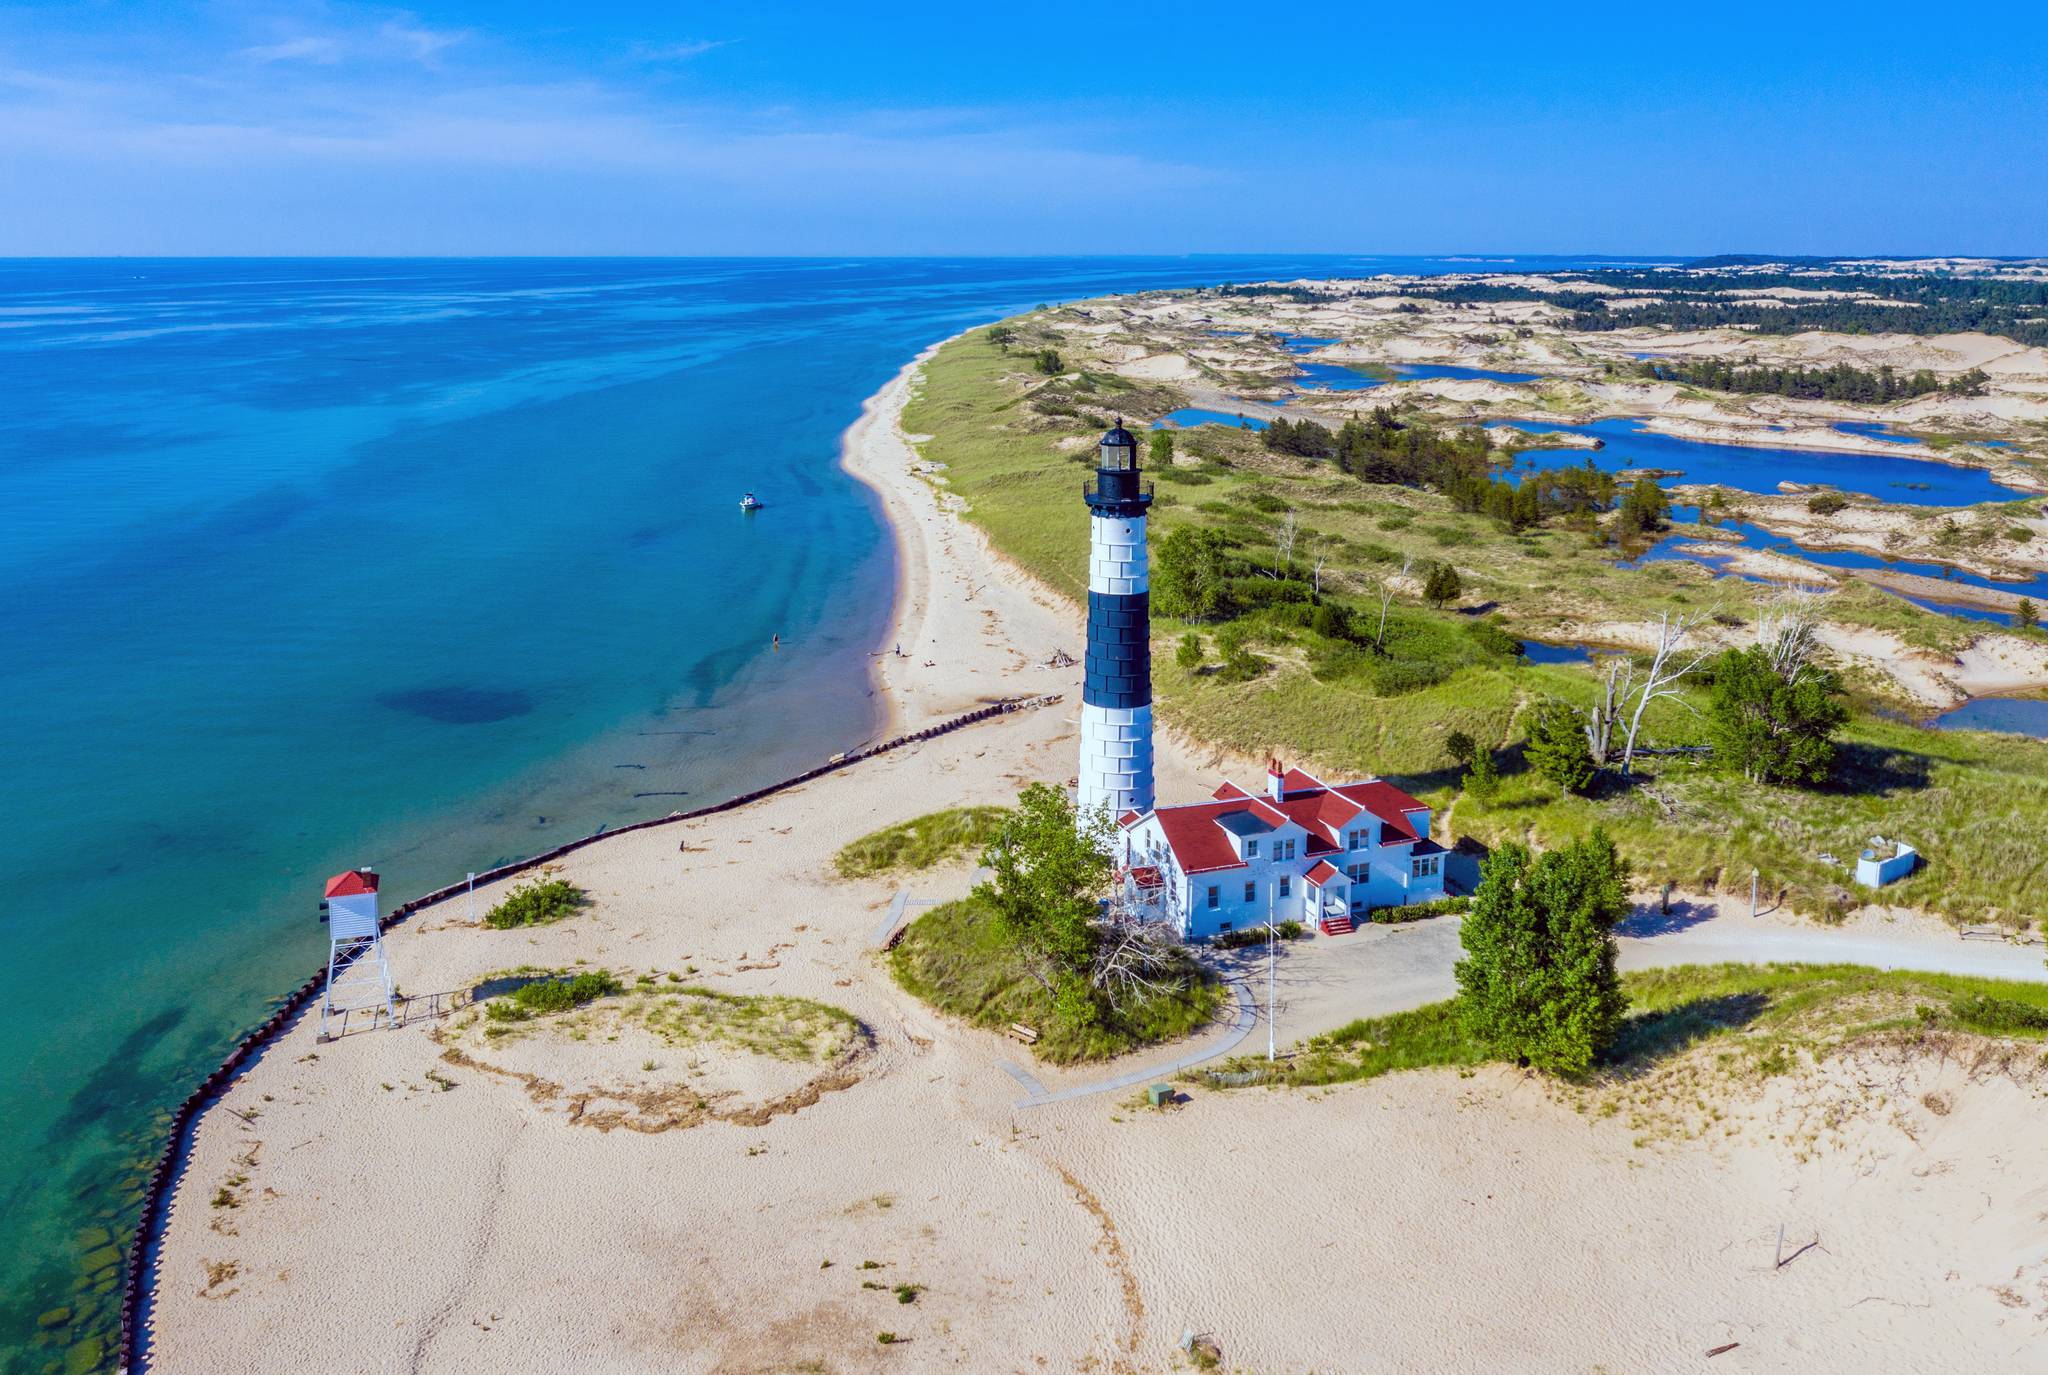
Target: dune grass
{"x":1762,"y":1014}
{"x":954,"y":958}
{"x":1975,"y":805}
{"x":921,"y":843}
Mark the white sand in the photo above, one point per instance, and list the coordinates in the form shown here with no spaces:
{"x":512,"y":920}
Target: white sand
{"x":1421,"y":1222}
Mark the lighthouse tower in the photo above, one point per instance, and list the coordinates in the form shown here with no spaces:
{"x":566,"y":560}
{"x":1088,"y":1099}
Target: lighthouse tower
{"x":1116,"y":695}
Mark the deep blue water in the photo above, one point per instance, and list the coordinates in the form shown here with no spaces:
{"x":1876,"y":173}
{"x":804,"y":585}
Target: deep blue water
{"x":1335,"y":377}
{"x":1417,"y":372}
{"x":2017,"y":715}
{"x":1878,"y":429}
{"x":1919,"y":481}
{"x":1189,"y":416}
{"x":418,"y":563}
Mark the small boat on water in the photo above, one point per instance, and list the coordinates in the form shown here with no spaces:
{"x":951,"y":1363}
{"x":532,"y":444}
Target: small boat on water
{"x":750,"y":502}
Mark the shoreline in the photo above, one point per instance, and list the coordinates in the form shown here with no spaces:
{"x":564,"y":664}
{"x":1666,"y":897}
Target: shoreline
{"x":891,"y":486}
{"x":514,"y":1232}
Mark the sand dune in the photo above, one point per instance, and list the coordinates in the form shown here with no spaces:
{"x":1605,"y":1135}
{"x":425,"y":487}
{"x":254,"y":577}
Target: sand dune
{"x":371,"y":1204}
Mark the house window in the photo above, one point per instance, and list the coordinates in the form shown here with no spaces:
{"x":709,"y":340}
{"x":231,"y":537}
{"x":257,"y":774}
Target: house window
{"x":1286,"y":886}
{"x":1427,"y":866}
{"x":1288,"y":847}
{"x":1251,"y":849}
{"x":1357,"y":873}
{"x":1355,"y":840}
{"x":1214,"y":895}
{"x":1223,"y":926}
{"x":1251,"y":892}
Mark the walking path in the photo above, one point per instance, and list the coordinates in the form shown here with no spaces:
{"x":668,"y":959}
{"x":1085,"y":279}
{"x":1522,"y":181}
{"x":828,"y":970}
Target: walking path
{"x":1326,"y":983}
{"x":1240,"y":1027}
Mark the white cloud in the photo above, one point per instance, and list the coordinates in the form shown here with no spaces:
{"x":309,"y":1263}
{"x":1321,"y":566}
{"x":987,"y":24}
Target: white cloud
{"x":395,"y":37}
{"x":676,"y":52}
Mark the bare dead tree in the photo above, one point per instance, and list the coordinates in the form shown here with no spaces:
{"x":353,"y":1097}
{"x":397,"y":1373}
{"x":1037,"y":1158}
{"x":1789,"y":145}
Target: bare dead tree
{"x":1322,"y":557}
{"x":1284,"y":537}
{"x":1606,"y":713}
{"x":1788,"y":628}
{"x":1135,"y":956}
{"x":1668,"y":667}
{"x":1384,"y":586}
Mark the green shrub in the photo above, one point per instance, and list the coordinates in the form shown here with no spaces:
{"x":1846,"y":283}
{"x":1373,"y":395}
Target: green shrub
{"x":536,"y":904}
{"x":1826,"y":503}
{"x":1997,"y":1016}
{"x":1189,"y":654}
{"x":1418,"y":911}
{"x":1289,"y":930}
{"x":560,"y":993}
{"x":1241,"y":666}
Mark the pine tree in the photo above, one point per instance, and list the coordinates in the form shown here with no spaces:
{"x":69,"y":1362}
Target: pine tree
{"x":2025,"y":615}
{"x":1443,"y":586}
{"x":1557,"y":747}
{"x":1771,"y":729}
{"x":1482,"y":776}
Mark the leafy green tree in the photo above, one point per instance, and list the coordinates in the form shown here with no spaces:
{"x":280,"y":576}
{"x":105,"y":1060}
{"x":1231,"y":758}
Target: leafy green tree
{"x":1002,"y":336}
{"x":1189,"y":656}
{"x":1188,"y":578}
{"x":1538,"y":981}
{"x":1050,"y":868}
{"x":2026,"y":615}
{"x":1443,"y":586}
{"x":1161,"y":449}
{"x":1771,"y":729}
{"x":1049,"y":362}
{"x":1557,"y":747}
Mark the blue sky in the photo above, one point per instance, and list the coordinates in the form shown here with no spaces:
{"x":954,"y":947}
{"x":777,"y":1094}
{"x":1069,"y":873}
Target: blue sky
{"x":273,"y":126}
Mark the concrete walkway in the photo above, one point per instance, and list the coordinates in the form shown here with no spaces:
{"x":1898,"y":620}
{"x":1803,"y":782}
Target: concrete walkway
{"x":1240,"y":1027}
{"x":1327,"y":982}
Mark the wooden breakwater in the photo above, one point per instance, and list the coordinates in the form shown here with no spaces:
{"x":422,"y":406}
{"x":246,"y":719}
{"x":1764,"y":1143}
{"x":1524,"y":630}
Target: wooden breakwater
{"x":156,"y":1193}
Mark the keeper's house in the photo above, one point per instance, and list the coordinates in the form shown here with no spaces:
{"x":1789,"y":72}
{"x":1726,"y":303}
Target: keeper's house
{"x":1320,"y":855}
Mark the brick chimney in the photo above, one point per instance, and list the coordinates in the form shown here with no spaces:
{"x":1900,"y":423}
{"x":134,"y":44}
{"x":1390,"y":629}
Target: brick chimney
{"x":1275,"y":779}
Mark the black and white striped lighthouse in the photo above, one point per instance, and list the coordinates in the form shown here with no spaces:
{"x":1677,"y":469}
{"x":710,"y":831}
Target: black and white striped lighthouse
{"x":1116,"y":694}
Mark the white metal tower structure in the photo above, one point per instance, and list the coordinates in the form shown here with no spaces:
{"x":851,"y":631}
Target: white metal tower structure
{"x":1116,"y":693}
{"x":358,"y":977}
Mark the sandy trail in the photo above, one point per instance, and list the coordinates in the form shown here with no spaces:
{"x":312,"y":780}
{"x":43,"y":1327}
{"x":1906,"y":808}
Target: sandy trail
{"x":367,"y":1205}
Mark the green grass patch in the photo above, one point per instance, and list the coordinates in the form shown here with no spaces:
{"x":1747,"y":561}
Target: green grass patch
{"x":956,"y":959}
{"x":1761,"y":1013}
{"x":922,"y":842}
{"x":782,"y":1028}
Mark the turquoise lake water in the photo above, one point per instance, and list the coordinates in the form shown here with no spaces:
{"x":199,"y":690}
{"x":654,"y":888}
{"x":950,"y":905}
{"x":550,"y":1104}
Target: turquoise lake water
{"x":420,"y":564}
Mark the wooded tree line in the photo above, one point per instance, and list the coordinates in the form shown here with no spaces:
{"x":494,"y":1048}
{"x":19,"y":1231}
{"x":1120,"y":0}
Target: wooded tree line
{"x":1840,"y":382}
{"x":1459,"y":463}
{"x":1918,"y":304}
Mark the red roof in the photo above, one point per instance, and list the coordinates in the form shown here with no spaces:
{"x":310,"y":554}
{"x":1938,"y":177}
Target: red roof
{"x":1322,"y":873}
{"x":1387,"y":802}
{"x":351,"y":884}
{"x":1202,"y":846}
{"x":1127,"y":818}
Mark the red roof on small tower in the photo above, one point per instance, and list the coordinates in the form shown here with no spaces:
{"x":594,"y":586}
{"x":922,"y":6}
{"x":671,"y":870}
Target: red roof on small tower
{"x":351,"y":884}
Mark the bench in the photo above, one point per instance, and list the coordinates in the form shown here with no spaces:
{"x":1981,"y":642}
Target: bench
{"x":1027,"y":1034}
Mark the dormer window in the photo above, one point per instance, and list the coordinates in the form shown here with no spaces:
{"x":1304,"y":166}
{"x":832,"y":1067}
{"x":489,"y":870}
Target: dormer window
{"x":1251,"y":849}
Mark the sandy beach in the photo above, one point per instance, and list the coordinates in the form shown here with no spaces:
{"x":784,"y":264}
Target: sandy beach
{"x":421,"y":1198}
